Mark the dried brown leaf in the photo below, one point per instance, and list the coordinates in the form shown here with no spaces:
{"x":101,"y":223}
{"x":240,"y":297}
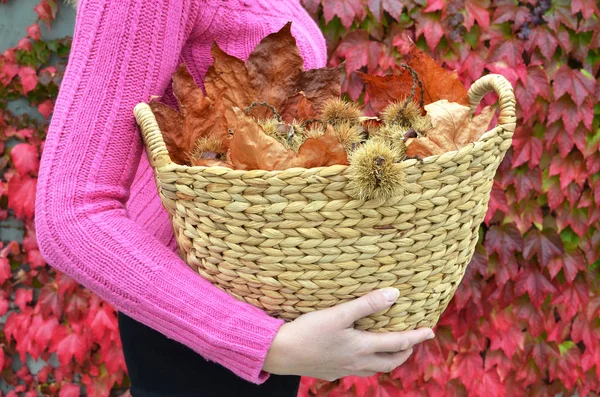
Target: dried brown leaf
{"x":202,"y":116}
{"x":252,"y":149}
{"x":321,"y":151}
{"x":273,"y":73}
{"x":298,"y":107}
{"x":227,"y":78}
{"x":320,"y":85}
{"x":438,"y":83}
{"x":275,"y":66}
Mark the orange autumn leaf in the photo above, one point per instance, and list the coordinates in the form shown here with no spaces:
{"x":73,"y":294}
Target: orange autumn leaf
{"x":453,"y":129}
{"x":321,"y":151}
{"x":170,"y":123}
{"x":275,"y":66}
{"x":437,"y":82}
{"x":228,"y":79}
{"x":298,"y":107}
{"x":202,"y":117}
{"x":251,"y":149}
{"x":273,"y":73}
{"x":320,"y":85}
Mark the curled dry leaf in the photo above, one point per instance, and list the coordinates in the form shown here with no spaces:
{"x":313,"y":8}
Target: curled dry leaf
{"x":453,"y":128}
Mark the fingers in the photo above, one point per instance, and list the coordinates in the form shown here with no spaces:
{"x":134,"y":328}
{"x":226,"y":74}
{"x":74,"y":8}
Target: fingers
{"x":392,"y":342}
{"x":366,"y":305}
{"x":387,"y":362}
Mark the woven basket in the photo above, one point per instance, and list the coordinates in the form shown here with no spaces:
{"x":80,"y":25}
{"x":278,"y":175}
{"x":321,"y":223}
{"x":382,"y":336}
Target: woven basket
{"x":294,"y":241}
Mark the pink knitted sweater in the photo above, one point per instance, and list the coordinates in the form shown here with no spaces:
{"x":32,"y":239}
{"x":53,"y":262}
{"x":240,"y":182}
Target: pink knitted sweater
{"x":98,"y":215}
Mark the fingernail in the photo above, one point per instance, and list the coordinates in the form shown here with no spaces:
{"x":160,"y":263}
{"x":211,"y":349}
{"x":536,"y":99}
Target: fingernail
{"x":391,"y":294}
{"x":431,"y":335}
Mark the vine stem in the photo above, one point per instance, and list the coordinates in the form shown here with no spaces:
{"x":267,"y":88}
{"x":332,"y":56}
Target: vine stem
{"x":266,"y":104}
{"x":416,"y":81}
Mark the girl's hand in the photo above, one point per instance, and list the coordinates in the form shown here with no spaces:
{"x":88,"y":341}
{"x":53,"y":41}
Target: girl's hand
{"x":323,"y":344}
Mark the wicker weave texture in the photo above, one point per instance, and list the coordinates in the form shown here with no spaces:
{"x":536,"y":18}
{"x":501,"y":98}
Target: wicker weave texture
{"x":295,"y":241}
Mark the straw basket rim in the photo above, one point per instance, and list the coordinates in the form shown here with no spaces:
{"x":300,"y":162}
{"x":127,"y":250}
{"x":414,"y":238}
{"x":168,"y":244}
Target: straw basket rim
{"x":160,"y":158}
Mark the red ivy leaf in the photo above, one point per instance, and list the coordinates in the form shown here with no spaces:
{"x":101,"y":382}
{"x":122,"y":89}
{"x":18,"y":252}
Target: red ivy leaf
{"x":568,"y":368}
{"x":393,"y":7}
{"x":571,"y":169}
{"x":71,"y":346}
{"x":524,"y":310}
{"x":69,"y":390}
{"x":5,"y":272}
{"x":534,"y":283}
{"x":23,"y":296}
{"x":28,"y":77}
{"x":571,"y":263}
{"x":489,"y":385}
{"x":45,"y":108}
{"x":346,"y":10}
{"x":503,"y":333}
{"x":502,"y":363}
{"x":541,"y":38}
{"x":468,"y":367}
{"x":545,"y":245}
{"x":575,"y":83}
{"x":497,"y":202}
{"x":477,"y":10}
{"x":571,"y":300}
{"x":50,"y":301}
{"x":429,"y":25}
{"x":505,"y":271}
{"x":358,"y":50}
{"x":583,"y":331}
{"x":526,"y":181}
{"x":435,"y":5}
{"x":21,"y":196}
{"x":543,"y":353}
{"x":505,"y":240}
{"x":566,"y":110}
{"x":33,"y":31}
{"x":45,"y":332}
{"x":25,"y":158}
{"x":46,"y":11}
{"x":587,"y":8}
{"x":528,"y":149}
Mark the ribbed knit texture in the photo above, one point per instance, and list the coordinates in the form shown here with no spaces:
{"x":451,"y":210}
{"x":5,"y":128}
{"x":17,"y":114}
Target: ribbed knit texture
{"x":99,"y":218}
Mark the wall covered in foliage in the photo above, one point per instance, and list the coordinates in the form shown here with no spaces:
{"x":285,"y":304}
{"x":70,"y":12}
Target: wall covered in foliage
{"x":525,"y":320}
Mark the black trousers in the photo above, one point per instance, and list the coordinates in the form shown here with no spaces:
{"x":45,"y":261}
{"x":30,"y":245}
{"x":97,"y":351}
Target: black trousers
{"x":161,"y":367}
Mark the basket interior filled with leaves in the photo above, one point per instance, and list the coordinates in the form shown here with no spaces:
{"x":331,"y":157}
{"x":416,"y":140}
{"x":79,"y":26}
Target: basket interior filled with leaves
{"x":292,"y":198}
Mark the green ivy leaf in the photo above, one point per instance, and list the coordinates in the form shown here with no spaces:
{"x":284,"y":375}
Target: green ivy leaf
{"x":566,"y":346}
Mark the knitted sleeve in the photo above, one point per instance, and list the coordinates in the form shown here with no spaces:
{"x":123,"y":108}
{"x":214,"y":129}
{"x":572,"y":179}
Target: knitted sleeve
{"x":123,"y":52}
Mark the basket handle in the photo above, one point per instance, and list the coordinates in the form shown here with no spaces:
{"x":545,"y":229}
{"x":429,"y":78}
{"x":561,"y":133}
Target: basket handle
{"x":506,"y":98}
{"x":153,"y":139}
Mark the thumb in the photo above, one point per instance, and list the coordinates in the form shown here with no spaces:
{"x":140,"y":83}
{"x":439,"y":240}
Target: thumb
{"x":368,"y":304}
